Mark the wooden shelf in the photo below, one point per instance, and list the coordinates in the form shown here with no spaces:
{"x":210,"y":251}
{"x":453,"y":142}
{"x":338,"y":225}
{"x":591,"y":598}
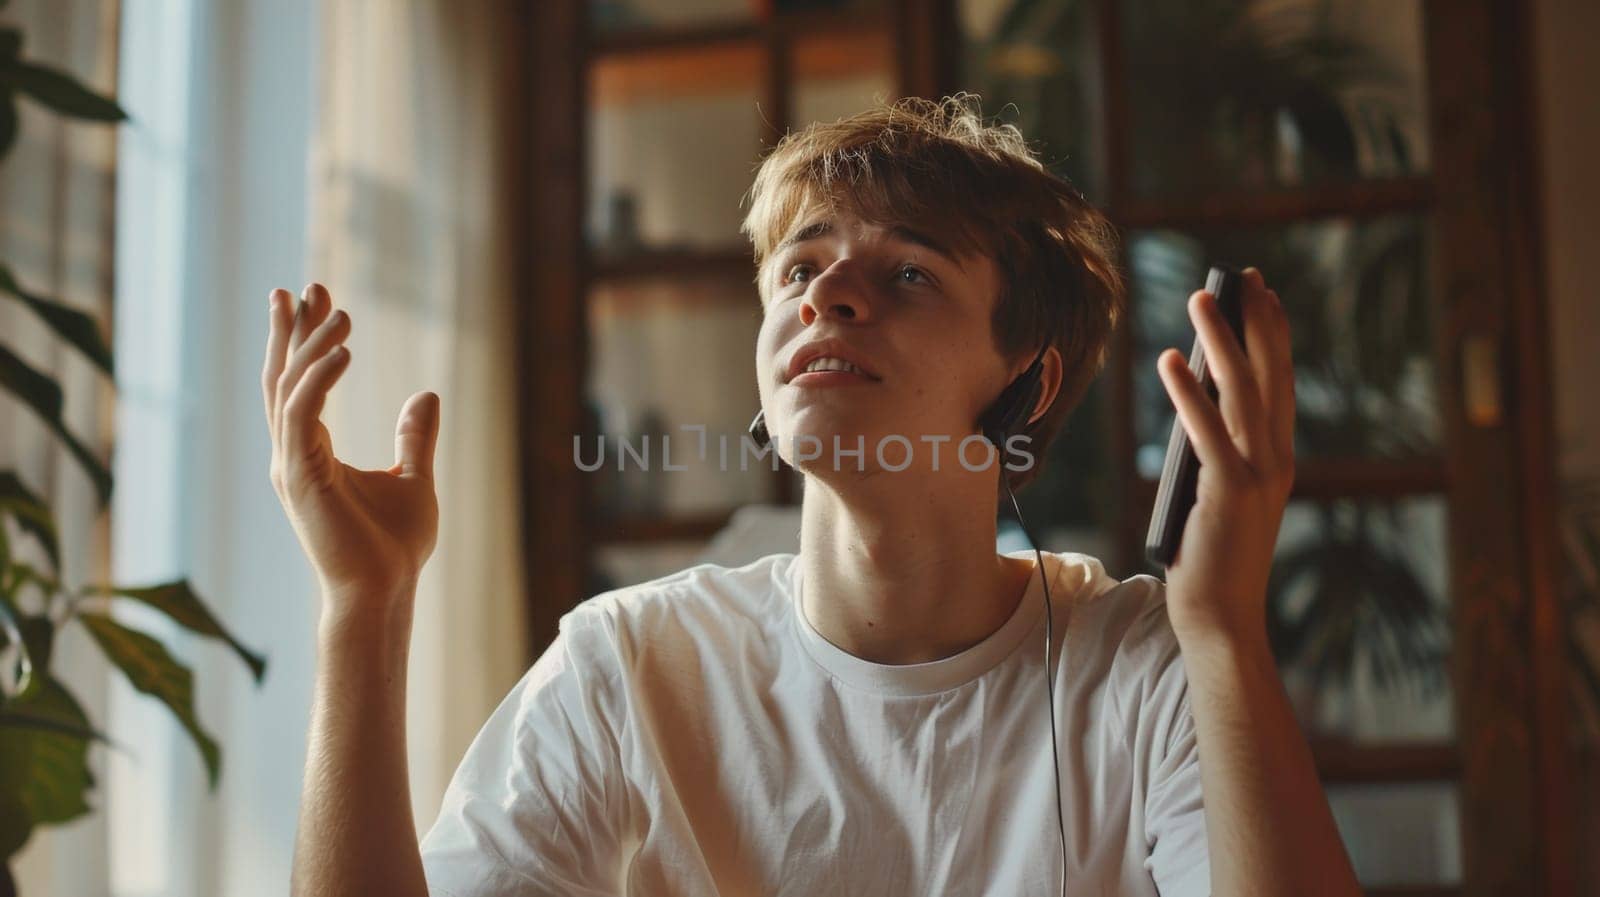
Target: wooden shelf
{"x":733,"y":262}
{"x":634,"y":41}
{"x":719,"y":70}
{"x":657,"y":64}
{"x":1342,"y":762}
{"x":844,"y":54}
{"x":617,"y":43}
{"x":1358,"y":479}
{"x":1356,"y":199}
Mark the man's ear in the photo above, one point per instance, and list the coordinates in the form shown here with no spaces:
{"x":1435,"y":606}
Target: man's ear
{"x":1049,"y":382}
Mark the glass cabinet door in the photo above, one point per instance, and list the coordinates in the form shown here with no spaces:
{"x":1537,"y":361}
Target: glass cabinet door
{"x":673,"y":135}
{"x":683,"y":100}
{"x":836,"y":75}
{"x":1356,"y":291}
{"x":672,"y":378}
{"x":1035,"y":65}
{"x":1245,"y":95}
{"x":1174,"y":116}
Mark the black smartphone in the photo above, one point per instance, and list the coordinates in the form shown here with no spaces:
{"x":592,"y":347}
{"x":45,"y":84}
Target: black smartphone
{"x":1181,"y":470}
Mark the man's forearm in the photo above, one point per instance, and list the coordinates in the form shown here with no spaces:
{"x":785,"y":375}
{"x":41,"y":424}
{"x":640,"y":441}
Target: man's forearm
{"x":356,"y":834}
{"x":1268,"y":823}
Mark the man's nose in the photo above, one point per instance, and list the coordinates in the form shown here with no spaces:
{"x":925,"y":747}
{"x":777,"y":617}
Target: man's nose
{"x":840,"y":292}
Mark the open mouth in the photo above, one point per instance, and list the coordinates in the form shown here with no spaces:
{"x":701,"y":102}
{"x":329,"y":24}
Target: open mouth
{"x":825,"y":370}
{"x":831,"y":378}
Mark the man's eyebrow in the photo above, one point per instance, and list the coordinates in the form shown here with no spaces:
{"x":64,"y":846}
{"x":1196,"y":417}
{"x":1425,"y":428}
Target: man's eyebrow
{"x":899,"y":232}
{"x":809,"y":232}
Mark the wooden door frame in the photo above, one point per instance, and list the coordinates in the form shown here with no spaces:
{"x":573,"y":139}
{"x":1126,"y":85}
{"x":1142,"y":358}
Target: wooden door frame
{"x":1508,"y":651}
{"x":552,"y":353}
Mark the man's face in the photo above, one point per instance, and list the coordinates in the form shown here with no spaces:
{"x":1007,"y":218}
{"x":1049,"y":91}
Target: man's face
{"x":912,"y":316}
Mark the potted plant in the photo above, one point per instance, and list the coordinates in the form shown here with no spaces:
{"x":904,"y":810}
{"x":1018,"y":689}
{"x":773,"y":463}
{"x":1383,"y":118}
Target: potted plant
{"x":44,"y":734}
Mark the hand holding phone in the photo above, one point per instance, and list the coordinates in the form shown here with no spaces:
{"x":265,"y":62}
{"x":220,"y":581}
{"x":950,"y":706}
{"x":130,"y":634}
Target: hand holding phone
{"x":1180,"y":472}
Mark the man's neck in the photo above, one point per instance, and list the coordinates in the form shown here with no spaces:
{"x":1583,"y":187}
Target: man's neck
{"x":903,"y":569}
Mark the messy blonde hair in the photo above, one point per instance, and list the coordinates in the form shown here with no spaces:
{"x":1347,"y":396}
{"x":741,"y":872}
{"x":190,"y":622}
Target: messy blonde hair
{"x":977,"y":188}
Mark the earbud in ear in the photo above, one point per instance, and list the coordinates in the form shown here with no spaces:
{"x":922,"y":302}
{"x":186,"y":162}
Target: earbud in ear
{"x":758,"y":429}
{"x":1009,"y":413}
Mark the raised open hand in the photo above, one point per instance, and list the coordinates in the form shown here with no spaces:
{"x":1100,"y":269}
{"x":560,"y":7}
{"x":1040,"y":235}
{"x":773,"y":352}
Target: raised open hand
{"x":366,"y":532}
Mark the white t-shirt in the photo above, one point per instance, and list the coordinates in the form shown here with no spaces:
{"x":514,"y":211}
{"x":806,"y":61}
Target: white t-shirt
{"x":694,"y":735}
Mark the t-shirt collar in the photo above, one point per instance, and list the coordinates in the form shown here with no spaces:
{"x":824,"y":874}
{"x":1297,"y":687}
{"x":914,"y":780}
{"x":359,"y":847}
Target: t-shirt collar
{"x":935,"y":675}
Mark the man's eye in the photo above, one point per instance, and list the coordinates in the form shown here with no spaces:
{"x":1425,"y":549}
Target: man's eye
{"x":801,"y":273}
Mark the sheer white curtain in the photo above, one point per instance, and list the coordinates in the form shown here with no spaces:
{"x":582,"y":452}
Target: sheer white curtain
{"x":211,"y":188}
{"x":408,"y":232}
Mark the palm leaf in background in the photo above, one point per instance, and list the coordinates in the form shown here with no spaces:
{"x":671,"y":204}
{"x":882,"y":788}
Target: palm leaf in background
{"x":1346,"y":595}
{"x":1219,"y":89}
{"x":1034,"y":62}
{"x":1361,"y":342}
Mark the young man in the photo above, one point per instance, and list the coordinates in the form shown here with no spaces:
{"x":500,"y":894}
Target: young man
{"x":868,"y":716}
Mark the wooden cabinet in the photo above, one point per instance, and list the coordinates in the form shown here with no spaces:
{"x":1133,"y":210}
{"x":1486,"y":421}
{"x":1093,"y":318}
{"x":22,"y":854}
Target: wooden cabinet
{"x":1374,"y":169}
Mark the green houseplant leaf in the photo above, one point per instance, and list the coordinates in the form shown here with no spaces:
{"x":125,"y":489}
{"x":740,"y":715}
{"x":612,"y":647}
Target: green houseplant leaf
{"x":10,"y":44}
{"x":60,"y":91}
{"x":44,"y":769}
{"x":154,"y":671}
{"x":178,"y":601}
{"x":11,"y":633}
{"x":27,"y":719}
{"x":30,"y":512}
{"x":43,"y":395}
{"x":38,"y":639}
{"x":8,"y":122}
{"x":11,"y":639}
{"x":69,"y":323}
